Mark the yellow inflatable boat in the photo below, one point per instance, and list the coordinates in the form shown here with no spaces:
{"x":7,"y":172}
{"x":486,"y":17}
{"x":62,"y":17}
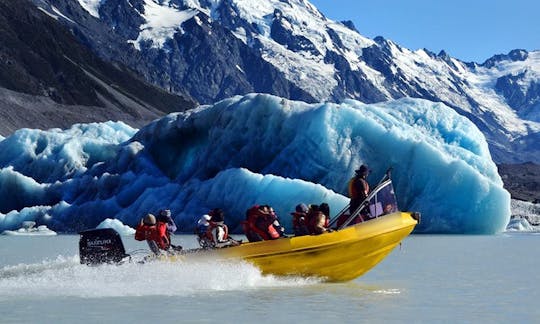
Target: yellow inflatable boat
{"x":343,"y":254}
{"x":340,"y":255}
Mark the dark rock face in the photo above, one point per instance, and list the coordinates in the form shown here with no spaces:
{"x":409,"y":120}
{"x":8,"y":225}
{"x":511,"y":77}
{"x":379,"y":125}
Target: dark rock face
{"x":525,"y":101}
{"x":376,"y":57}
{"x":352,"y":82}
{"x":349,"y":24}
{"x":284,"y":36}
{"x":205,"y":60}
{"x":514,"y":55}
{"x":213,"y":64}
{"x":522,"y":180}
{"x":40,"y":57}
{"x":124,"y":17}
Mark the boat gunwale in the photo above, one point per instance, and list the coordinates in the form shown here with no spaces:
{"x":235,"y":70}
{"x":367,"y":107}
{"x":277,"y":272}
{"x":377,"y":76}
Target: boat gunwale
{"x":336,"y":241}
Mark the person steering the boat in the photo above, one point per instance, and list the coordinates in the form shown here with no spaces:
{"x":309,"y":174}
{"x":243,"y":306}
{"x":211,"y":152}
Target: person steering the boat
{"x":219,"y":232}
{"x":155,"y":234}
{"x":358,"y":188}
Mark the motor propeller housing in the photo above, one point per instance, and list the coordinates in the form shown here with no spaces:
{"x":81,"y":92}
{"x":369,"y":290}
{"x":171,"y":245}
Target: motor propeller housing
{"x":102,"y":245}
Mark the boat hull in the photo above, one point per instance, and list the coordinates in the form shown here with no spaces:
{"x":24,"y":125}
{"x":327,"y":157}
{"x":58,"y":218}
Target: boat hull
{"x":337,"y":256}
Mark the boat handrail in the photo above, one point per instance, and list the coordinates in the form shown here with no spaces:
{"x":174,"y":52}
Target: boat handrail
{"x":335,"y":218}
{"x":364,"y":204}
{"x":382,"y":183}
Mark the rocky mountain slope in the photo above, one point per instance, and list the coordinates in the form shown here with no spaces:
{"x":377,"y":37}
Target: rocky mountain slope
{"x":522,"y":180}
{"x":49,"y":79}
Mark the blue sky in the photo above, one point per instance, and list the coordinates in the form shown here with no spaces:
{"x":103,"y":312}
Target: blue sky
{"x":470,"y":30}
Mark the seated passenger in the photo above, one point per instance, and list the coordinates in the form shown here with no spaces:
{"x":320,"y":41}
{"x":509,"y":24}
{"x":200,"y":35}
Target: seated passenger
{"x":155,"y":234}
{"x":389,"y":208}
{"x":277,"y":225}
{"x":164,"y":217}
{"x":258,"y":225}
{"x":299,"y":220}
{"x":265,"y":223}
{"x":219,"y":231}
{"x":252,"y":232}
{"x":203,"y":223}
{"x":325,"y":209}
{"x":317,"y":221}
{"x":201,"y":229}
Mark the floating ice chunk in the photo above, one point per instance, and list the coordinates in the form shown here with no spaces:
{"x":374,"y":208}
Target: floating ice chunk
{"x":117,"y":226}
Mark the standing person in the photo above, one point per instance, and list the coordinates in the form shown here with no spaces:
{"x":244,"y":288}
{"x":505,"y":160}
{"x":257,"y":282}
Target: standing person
{"x":155,"y":234}
{"x":164,"y":217}
{"x":358,"y":188}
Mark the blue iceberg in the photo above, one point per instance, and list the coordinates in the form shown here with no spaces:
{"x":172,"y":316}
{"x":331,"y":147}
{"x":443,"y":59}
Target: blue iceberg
{"x":28,"y":229}
{"x":254,"y":149}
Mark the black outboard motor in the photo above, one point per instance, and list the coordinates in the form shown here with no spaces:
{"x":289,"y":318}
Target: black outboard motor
{"x":102,"y":245}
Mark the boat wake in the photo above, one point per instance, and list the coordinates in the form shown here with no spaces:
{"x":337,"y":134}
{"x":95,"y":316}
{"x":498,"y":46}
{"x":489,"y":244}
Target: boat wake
{"x":64,"y":276}
{"x":25,"y":270}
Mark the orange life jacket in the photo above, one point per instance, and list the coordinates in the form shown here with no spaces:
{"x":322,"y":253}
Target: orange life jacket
{"x":354,"y":189}
{"x":156,"y":233}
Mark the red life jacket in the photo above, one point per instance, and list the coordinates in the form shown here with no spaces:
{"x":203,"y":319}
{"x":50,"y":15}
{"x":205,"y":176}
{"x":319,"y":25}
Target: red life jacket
{"x":254,"y":217}
{"x":156,"y":233}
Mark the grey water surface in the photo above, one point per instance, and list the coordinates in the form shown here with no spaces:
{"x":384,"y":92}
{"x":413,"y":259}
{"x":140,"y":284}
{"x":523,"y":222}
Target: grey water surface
{"x":429,"y":278}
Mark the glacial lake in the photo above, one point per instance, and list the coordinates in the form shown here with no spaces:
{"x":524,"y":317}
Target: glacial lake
{"x":429,"y":278}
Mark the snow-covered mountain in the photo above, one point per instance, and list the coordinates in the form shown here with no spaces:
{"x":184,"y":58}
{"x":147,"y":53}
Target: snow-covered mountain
{"x":213,"y":49}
